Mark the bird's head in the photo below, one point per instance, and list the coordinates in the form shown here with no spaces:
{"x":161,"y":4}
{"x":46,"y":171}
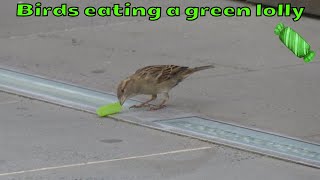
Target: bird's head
{"x":125,"y":90}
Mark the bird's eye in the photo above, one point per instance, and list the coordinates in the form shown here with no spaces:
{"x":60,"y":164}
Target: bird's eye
{"x":122,"y":90}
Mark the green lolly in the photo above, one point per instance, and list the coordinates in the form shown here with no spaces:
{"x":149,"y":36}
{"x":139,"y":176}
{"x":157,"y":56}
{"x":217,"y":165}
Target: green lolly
{"x":294,"y":42}
{"x":109,"y":109}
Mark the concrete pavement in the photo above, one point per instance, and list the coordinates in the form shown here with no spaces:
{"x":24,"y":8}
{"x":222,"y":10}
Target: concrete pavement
{"x":257,"y":83}
{"x":53,"y":142}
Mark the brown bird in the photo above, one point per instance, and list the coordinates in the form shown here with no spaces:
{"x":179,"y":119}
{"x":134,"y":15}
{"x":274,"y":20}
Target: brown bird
{"x":154,"y":80}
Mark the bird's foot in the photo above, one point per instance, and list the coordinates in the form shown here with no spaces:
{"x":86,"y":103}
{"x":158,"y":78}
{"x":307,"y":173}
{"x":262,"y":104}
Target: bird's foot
{"x":139,"y":106}
{"x":157,"y":107}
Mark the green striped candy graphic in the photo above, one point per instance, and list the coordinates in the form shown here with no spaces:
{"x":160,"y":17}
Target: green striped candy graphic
{"x":294,"y":42}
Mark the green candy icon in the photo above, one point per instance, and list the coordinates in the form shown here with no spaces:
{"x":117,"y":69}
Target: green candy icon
{"x":294,"y":42}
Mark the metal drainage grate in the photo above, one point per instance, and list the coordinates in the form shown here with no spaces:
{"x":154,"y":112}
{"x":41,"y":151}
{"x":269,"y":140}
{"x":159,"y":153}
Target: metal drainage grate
{"x":54,"y":92}
{"x":258,"y":141}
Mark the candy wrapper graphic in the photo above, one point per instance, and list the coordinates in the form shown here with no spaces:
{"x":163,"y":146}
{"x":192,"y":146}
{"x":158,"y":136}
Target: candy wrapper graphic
{"x":294,"y":42}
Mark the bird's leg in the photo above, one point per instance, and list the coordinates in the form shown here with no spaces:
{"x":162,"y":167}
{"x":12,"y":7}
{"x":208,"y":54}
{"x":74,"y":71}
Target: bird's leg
{"x":153,"y":97}
{"x":162,"y":104}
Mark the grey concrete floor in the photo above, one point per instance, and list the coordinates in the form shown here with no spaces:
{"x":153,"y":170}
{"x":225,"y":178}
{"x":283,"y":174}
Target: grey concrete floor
{"x":257,"y":82}
{"x":38,"y":136}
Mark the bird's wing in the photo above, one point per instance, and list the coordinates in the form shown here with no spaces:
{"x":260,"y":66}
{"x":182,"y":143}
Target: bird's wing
{"x":160,"y":73}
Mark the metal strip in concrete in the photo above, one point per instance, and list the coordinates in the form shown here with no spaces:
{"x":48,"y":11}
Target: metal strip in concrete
{"x":53,"y":91}
{"x":272,"y":144}
{"x":173,"y":121}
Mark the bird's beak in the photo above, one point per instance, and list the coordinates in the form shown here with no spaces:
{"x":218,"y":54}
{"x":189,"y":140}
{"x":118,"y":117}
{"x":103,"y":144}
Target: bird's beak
{"x":122,"y":100}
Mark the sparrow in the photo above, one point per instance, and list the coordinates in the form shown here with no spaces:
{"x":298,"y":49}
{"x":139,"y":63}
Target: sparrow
{"x":154,"y":80}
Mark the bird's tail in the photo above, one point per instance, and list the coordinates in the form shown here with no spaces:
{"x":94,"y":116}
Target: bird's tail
{"x":190,"y":71}
{"x":200,"y":68}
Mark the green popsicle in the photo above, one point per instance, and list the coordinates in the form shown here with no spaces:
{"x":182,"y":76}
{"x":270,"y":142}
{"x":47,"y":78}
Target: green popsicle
{"x":109,"y":109}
